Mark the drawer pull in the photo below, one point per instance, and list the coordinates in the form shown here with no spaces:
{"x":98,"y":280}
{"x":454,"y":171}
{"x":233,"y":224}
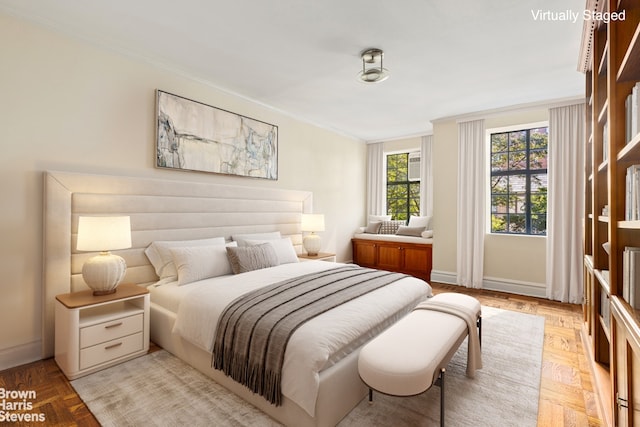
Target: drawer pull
{"x":109,"y":347}
{"x":113,"y":326}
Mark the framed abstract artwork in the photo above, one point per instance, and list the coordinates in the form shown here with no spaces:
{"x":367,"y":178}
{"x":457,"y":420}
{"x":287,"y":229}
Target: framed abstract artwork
{"x":198,"y":137}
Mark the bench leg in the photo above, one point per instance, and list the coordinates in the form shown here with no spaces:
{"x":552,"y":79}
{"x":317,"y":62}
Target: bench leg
{"x":370,"y":395}
{"x":442,"y":398}
{"x":479,"y":323}
{"x":440,"y":383}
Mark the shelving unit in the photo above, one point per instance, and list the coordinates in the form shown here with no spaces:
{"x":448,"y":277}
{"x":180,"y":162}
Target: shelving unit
{"x":610,"y":59}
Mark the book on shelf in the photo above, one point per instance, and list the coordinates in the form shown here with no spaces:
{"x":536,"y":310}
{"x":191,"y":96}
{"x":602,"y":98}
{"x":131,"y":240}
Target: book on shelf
{"x":632,"y":194}
{"x":605,"y":310}
{"x":631,"y":276}
{"x":628,"y":118}
{"x":632,"y":113}
{"x":605,"y":142}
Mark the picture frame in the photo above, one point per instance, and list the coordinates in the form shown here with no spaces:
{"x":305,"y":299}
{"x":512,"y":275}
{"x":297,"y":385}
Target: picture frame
{"x":194,"y":136}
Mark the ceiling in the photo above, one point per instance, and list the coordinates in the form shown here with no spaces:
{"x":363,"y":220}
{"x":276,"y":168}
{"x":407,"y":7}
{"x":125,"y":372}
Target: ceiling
{"x":301,"y":57}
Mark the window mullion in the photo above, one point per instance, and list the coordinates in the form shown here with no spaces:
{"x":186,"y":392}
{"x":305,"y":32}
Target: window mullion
{"x":528,"y":184}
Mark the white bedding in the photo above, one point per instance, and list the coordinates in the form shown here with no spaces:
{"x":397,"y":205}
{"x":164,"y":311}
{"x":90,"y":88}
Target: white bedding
{"x":314,"y":346}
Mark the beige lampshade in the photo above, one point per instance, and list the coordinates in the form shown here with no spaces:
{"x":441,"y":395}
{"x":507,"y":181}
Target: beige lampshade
{"x":312,"y":222}
{"x":104,"y":272}
{"x":103,"y":233}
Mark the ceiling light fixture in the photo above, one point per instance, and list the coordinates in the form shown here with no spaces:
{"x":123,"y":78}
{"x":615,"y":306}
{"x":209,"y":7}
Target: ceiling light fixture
{"x":374,"y":74}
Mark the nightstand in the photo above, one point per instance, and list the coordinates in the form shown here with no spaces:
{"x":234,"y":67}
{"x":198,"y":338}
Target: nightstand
{"x":95,"y":332}
{"x":322,"y":256}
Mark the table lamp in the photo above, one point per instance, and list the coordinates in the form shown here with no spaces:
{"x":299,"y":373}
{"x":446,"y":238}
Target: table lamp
{"x":312,"y":223}
{"x":103,"y":272}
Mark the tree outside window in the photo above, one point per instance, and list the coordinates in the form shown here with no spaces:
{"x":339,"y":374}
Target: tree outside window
{"x":519,"y":181}
{"x":403,"y":195}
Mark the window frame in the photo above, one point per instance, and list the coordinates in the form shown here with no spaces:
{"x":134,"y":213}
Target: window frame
{"x":408,"y":182}
{"x":528,"y":172}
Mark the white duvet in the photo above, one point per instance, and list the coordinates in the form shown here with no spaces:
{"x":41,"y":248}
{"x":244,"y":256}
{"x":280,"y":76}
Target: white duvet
{"x":318,"y":343}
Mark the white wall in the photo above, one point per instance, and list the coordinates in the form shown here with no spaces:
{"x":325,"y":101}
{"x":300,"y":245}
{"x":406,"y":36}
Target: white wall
{"x":511,"y":263}
{"x":405,"y":144}
{"x":68,"y":105}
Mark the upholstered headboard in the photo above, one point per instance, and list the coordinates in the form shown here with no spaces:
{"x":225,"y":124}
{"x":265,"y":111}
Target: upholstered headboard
{"x":159,"y":210}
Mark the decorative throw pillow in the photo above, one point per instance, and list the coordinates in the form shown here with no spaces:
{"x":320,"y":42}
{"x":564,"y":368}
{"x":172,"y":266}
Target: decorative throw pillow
{"x":378,"y":218}
{"x":390,"y":227}
{"x":249,"y":258}
{"x":420,"y":221}
{"x":373,"y":227}
{"x":285,"y":252}
{"x":241,"y":238}
{"x":195,"y":263}
{"x":160,"y":256}
{"x":404,"y":230}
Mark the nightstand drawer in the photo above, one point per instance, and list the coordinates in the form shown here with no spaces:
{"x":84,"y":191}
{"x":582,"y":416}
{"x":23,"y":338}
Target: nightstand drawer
{"x":111,"y":330}
{"x":111,"y":350}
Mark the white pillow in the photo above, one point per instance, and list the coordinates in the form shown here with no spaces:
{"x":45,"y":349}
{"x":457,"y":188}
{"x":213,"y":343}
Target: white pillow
{"x":420,"y":221}
{"x":160,"y":256}
{"x":284,"y":249}
{"x":378,"y":218}
{"x":195,"y":263}
{"x":240,"y":238}
{"x":427,"y":234}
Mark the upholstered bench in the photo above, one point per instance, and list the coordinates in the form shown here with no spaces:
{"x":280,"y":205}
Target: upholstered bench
{"x":411,"y":356}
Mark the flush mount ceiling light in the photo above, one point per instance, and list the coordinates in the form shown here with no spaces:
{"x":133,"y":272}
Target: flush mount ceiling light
{"x":374,"y":74}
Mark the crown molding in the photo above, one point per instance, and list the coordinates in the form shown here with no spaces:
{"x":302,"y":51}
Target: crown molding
{"x":553,"y":103}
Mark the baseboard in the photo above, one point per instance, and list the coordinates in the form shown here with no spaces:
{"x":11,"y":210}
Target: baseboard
{"x":20,"y":355}
{"x":443,"y":277}
{"x":496,"y":284}
{"x":519,"y":287}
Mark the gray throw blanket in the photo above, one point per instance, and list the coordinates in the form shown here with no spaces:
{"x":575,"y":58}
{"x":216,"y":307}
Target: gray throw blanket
{"x":253,"y":331}
{"x":474,"y":354}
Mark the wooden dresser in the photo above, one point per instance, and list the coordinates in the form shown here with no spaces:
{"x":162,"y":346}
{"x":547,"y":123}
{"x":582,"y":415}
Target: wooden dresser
{"x":409,"y":258}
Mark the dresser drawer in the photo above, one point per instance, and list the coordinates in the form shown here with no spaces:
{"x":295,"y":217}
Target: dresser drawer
{"x":110,"y":350}
{"x":107,"y":331}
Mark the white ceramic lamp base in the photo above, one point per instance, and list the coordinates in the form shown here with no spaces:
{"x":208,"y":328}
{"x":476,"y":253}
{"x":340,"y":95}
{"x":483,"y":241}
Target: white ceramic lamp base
{"x":104,"y":272}
{"x":312,"y":244}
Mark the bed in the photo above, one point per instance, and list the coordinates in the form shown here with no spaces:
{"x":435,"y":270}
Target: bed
{"x":163,"y":210}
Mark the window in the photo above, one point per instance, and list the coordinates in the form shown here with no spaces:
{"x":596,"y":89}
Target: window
{"x":403,"y":194}
{"x":519,"y":181}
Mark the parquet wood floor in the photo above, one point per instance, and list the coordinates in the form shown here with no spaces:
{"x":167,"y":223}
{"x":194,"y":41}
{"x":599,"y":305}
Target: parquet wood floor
{"x":567,"y":398}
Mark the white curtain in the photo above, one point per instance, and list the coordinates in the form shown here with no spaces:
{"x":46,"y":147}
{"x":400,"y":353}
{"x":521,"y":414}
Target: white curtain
{"x":376,"y":190}
{"x":471,"y":203}
{"x":565,"y":203}
{"x":426,"y":176}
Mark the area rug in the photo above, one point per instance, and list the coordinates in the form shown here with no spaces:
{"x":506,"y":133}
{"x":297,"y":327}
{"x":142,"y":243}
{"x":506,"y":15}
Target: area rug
{"x":159,"y":389}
